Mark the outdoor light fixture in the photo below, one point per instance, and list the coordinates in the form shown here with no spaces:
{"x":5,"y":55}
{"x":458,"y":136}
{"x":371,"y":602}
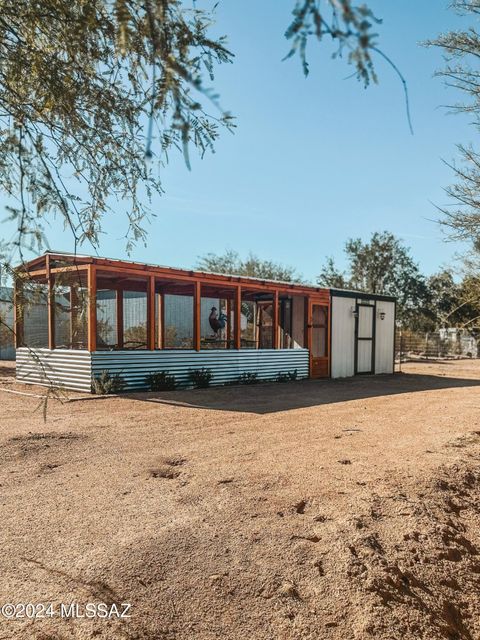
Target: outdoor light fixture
{"x":381,"y":314}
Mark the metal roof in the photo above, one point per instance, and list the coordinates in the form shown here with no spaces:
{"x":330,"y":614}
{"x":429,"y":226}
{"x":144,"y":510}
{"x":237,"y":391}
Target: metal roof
{"x":334,"y":291}
{"x":199,"y":271}
{"x":351,"y":293}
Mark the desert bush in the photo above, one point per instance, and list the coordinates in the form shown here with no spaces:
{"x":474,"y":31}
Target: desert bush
{"x":161,"y":381}
{"x":107,"y":383}
{"x":248,"y":377}
{"x":289,"y":376}
{"x":200,"y":378}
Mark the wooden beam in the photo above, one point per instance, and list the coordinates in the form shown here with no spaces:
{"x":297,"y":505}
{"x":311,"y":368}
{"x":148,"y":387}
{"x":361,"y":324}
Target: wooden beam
{"x":238,"y":318}
{"x":275,"y":323}
{"x":172,"y":274}
{"x":56,"y":270}
{"x":151,"y":314}
{"x":197,"y":318}
{"x":329,"y":340}
{"x":308,"y":334}
{"x":18,"y":312}
{"x":119,"y":301}
{"x":182,"y":275}
{"x":92,"y":307}
{"x":50,"y":306}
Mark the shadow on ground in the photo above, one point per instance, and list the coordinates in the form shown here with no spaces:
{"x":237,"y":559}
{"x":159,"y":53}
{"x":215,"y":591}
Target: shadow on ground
{"x":273,"y":397}
{"x":7,"y":369}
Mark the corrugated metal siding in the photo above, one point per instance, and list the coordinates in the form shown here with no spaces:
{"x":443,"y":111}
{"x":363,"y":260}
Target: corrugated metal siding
{"x":343,"y":337}
{"x":67,"y":368}
{"x":225,"y":365}
{"x":384,"y":337}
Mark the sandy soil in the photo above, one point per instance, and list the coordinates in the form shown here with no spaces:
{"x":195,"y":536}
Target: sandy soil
{"x":331,"y":510}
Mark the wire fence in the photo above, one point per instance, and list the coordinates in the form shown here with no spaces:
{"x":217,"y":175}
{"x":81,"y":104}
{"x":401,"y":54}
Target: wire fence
{"x":7,"y":347}
{"x":409,"y":345}
{"x":442,"y":344}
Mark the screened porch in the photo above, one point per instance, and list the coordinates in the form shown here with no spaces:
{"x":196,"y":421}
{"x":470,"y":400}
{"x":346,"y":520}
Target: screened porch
{"x":99,"y":305}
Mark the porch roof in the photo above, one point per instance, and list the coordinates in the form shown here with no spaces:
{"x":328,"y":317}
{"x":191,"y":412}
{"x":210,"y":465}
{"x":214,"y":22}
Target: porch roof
{"x":62,"y":262}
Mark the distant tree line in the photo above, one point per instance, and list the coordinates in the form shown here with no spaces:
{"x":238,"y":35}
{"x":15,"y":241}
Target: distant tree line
{"x":382,"y":265}
{"x":252,"y":266}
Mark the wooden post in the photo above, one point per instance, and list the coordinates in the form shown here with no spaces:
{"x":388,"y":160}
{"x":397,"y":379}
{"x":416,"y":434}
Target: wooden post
{"x":308,"y":328}
{"x":73,"y":316}
{"x":119,"y":301}
{"x":151,"y":314}
{"x":229,"y":322}
{"x":238,"y":318}
{"x":197,"y":320}
{"x":161,"y":321}
{"x":92,"y":307}
{"x":50,"y":306}
{"x":308,"y":333}
{"x":329,"y":338}
{"x":18,"y":312}
{"x":275,"y":324}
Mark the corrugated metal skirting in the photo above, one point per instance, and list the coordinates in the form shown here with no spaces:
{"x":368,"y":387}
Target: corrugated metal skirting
{"x":226,"y":365}
{"x":74,"y":369}
{"x":67,"y":368}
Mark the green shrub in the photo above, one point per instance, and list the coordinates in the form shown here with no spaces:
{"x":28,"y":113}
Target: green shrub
{"x":248,"y":378}
{"x":107,"y":383}
{"x":200,"y":378}
{"x":161,"y":381}
{"x":289,"y":376}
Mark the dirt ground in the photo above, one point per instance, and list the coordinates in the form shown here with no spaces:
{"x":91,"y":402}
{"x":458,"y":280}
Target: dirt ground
{"x":331,"y":510}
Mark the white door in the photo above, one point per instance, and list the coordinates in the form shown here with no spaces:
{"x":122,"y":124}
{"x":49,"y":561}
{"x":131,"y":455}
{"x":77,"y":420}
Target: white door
{"x":364,"y":338}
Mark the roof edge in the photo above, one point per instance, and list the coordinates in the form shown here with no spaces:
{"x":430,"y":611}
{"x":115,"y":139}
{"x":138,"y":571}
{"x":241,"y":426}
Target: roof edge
{"x":349,"y":293}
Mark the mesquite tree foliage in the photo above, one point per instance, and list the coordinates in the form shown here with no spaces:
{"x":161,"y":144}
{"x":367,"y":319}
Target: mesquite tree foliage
{"x":81,"y":83}
{"x":382,"y":265}
{"x":96,"y":93}
{"x":349,"y":25}
{"x":462,"y":72}
{"x":231,"y":262}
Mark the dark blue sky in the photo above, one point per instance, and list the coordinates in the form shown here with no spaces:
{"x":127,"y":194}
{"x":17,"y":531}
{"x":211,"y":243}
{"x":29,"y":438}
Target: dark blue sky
{"x":313,"y":161}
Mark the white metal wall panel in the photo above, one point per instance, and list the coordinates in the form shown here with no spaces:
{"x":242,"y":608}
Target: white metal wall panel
{"x":384,"y":337}
{"x":343,"y":337}
{"x":225,"y":365}
{"x":67,"y":368}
